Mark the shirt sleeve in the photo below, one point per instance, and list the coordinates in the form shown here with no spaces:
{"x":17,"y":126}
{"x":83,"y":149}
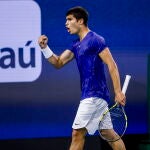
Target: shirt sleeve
{"x":100,"y":44}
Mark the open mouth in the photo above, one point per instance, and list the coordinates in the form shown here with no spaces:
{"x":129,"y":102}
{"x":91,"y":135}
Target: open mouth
{"x":68,"y":29}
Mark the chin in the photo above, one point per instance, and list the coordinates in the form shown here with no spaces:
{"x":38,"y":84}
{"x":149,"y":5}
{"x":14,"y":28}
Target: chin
{"x":72,"y":32}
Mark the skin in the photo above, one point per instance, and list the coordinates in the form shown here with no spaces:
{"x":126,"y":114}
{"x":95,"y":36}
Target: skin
{"x":78,"y":27}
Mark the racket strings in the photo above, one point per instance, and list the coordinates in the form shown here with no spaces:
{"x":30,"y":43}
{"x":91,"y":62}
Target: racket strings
{"x":118,"y":120}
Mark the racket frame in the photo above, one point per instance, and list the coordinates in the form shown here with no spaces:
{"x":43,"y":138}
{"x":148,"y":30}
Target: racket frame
{"x":124,"y":88}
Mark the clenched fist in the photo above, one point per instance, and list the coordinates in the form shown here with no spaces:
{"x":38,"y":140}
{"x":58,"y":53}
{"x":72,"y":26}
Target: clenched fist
{"x":42,"y":41}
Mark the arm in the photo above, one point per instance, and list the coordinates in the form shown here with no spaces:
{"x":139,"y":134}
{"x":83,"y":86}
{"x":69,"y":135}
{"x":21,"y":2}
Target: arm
{"x":56,"y":61}
{"x":60,"y":61}
{"x":107,"y":58}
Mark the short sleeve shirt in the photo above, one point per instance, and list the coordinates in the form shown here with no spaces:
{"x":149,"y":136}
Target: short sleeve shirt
{"x":90,"y":65}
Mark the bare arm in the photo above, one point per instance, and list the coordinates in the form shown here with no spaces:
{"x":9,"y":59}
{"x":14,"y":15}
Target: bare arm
{"x":56,"y":61}
{"x":60,"y":61}
{"x":114,"y":73}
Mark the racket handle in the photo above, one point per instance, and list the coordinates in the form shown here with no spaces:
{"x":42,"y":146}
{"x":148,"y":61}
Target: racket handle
{"x":126,"y":82}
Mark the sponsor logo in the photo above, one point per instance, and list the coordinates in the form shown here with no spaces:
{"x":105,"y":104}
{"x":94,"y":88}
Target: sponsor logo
{"x":77,"y":124}
{"x":20,"y":27}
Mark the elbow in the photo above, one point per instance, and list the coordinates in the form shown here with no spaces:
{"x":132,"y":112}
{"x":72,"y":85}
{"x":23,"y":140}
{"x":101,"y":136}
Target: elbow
{"x":55,"y":62}
{"x":57,"y":66}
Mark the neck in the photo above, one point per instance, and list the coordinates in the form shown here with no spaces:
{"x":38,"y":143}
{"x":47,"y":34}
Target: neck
{"x":83,"y":32}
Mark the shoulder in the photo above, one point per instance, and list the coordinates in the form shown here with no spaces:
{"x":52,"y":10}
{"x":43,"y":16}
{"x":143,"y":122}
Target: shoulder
{"x":97,"y":37}
{"x":97,"y":40}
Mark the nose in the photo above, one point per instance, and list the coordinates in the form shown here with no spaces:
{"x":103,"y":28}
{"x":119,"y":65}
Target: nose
{"x":66,"y":23}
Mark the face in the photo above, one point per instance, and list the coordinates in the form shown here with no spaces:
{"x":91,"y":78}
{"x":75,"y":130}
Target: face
{"x":72,"y":24}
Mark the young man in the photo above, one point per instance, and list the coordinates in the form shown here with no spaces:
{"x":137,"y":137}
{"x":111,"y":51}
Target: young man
{"x":90,"y":52}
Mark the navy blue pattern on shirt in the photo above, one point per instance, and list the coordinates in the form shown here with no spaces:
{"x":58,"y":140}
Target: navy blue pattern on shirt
{"x":90,"y":65}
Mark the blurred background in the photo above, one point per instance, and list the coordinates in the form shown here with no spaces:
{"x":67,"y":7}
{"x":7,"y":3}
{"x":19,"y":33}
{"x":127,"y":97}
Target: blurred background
{"x":37,"y":102}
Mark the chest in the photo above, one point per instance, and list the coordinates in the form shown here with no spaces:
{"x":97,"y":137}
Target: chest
{"x":84,"y":49}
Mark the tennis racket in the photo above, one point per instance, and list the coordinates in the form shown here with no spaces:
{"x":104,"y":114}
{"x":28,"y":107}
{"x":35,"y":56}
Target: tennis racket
{"x":116,"y":119}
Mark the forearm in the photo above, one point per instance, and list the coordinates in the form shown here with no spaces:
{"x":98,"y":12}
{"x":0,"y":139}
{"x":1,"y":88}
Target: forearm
{"x":51,"y":57}
{"x":55,"y":61}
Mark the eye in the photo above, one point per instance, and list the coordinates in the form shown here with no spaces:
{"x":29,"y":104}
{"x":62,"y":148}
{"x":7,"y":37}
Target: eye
{"x":69,"y":19}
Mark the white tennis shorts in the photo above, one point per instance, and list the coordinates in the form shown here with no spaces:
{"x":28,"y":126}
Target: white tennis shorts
{"x":89,"y":113}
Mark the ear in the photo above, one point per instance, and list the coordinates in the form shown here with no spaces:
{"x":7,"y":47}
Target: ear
{"x":81,"y":21}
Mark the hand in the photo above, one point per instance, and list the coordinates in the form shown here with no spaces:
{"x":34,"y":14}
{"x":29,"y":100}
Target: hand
{"x":120,"y":98}
{"x":42,"y":41}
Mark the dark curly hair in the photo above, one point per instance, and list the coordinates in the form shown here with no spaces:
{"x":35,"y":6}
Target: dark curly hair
{"x":79,"y":12}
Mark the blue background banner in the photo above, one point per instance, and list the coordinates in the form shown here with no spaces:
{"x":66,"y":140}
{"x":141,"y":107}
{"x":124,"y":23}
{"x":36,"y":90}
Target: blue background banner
{"x":46,"y":107}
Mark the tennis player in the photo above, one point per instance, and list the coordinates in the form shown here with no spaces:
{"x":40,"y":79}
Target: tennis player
{"x":91,"y":53}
